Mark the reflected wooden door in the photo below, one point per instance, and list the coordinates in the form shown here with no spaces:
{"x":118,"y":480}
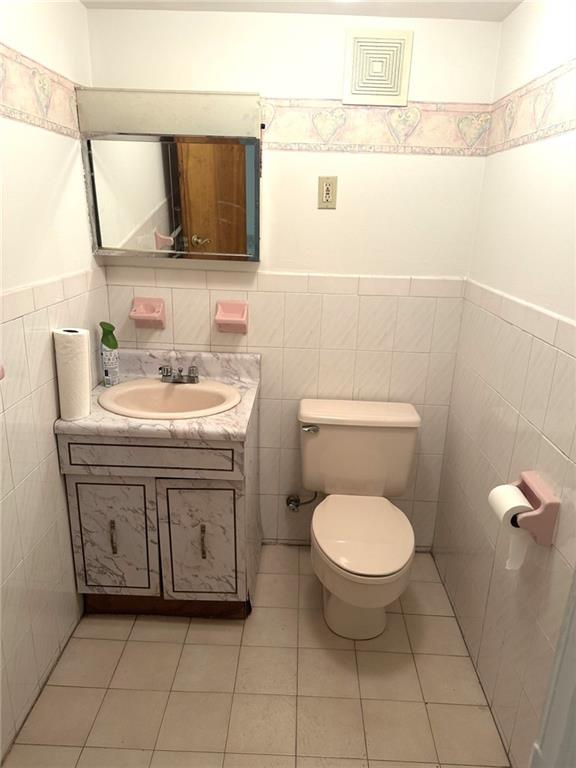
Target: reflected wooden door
{"x":213,"y":194}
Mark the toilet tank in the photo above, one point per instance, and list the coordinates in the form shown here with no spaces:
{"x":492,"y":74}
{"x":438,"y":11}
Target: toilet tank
{"x":357,"y":447}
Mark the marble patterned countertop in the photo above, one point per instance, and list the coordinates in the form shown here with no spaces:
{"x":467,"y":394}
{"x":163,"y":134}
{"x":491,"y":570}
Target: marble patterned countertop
{"x":240,"y":370}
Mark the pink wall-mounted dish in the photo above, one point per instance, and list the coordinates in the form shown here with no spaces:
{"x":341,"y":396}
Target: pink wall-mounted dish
{"x":232,"y":316}
{"x":148,"y":312}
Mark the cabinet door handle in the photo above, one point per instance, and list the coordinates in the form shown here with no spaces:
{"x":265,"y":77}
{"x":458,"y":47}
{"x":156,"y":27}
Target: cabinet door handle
{"x":113,"y":540}
{"x":203,"y":541}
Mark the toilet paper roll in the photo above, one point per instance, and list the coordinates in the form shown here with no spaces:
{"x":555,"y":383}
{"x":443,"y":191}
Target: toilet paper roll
{"x":507,"y":501}
{"x":72,"y":347}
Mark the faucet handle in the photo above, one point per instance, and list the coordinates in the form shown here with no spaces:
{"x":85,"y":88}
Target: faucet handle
{"x":165,"y":370}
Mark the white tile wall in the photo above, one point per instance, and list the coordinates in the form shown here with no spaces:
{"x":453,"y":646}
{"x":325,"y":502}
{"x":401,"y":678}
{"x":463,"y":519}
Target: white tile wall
{"x":40,"y":606}
{"x":319,"y":336}
{"x":513,"y":408}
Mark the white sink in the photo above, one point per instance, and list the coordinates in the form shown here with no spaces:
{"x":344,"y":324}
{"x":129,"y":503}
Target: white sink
{"x":152,"y":399}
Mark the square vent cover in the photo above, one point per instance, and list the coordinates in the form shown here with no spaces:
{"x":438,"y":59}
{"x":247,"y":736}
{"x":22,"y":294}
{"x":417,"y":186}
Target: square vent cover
{"x":377,"y":67}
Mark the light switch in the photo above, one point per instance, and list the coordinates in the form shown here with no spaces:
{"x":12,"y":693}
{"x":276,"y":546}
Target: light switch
{"x":327,"y":189}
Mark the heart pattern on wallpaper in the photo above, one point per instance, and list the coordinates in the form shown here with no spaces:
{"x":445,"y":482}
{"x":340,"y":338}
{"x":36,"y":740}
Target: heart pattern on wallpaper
{"x":509,"y":117}
{"x":328,"y":122}
{"x":542,"y":103}
{"x":473,"y":127}
{"x":402,"y":122}
{"x":2,"y":73}
{"x":42,"y":89}
{"x":267,"y":114}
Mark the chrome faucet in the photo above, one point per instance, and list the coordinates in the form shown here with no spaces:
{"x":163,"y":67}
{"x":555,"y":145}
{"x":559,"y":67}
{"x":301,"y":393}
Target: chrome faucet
{"x":169,"y":376}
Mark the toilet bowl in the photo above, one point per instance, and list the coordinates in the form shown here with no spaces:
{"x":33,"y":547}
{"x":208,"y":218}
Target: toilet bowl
{"x":362,"y":548}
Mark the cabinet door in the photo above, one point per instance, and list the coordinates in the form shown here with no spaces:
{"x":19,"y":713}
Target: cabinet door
{"x":114,"y":534}
{"x":198,"y":538}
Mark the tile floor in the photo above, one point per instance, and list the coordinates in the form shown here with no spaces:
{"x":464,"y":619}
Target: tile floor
{"x":277,"y":691}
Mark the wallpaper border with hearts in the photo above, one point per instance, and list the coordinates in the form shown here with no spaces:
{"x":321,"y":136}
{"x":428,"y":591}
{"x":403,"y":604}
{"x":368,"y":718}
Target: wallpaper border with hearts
{"x":542,"y":108}
{"x":36,"y":95}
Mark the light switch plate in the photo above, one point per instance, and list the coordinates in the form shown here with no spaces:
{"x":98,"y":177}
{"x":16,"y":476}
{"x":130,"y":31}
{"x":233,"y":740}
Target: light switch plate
{"x":327,"y":191}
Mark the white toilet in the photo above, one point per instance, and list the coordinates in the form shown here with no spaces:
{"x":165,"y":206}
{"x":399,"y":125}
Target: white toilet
{"x":362,"y":546}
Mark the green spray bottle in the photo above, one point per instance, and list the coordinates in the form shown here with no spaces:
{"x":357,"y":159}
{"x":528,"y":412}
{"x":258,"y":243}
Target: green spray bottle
{"x":109,"y":354}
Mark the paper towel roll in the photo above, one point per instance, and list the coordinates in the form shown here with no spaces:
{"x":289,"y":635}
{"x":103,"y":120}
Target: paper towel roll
{"x":507,"y":501}
{"x":72,"y":347}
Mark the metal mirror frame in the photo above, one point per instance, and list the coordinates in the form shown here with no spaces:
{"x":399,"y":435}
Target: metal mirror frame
{"x":184,"y":256}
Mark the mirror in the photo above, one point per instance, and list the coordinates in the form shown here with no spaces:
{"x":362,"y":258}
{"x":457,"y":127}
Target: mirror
{"x":172,"y":174}
{"x":182,"y":196}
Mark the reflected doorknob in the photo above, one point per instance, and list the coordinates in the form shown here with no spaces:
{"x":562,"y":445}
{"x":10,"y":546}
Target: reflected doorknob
{"x":196,"y":240}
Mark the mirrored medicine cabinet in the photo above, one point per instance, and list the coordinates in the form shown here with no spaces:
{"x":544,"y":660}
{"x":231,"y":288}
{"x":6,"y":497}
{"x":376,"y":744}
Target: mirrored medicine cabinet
{"x":172,"y":174}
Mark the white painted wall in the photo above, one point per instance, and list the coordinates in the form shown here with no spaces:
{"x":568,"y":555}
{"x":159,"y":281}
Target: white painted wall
{"x":538,"y":36}
{"x":281,"y":55}
{"x":396,"y":214}
{"x":52,"y":32}
{"x":44,"y":228}
{"x":130,"y":189}
{"x":526,"y":238}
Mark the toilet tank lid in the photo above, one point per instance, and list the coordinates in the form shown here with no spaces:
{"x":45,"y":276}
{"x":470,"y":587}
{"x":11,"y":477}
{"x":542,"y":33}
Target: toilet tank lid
{"x":358,"y":413}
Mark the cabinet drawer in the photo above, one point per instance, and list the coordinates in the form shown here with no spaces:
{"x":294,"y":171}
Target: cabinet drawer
{"x":153,"y":457}
{"x":114,"y":535}
{"x":197,"y":538}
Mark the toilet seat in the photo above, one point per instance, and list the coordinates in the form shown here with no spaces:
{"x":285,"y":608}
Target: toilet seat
{"x":365,"y":536}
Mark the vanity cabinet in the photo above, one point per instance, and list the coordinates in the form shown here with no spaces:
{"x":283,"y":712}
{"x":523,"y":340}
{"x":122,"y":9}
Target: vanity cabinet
{"x":177,"y":520}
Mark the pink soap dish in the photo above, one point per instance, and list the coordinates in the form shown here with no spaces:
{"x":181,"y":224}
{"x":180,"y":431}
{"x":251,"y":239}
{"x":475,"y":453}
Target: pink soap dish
{"x":232,"y":316}
{"x":148,"y":313}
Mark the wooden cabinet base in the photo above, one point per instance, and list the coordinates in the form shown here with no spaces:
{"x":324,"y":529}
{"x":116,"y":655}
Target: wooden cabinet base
{"x":151,"y":605}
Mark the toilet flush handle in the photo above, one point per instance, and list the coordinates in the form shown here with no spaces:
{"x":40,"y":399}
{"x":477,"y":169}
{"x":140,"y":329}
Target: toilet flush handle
{"x":310,"y":428}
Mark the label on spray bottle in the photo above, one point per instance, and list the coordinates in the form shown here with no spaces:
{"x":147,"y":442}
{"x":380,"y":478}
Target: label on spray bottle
{"x":110,"y":355}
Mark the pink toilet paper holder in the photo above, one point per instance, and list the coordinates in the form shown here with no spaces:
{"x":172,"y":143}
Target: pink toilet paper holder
{"x":540,"y":522}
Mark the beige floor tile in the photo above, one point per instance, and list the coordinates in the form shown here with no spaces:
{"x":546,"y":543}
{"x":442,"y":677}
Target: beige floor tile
{"x":215,"y":631}
{"x":449,"y":680}
{"x":329,"y":762}
{"x":388,"y":764}
{"x":195,"y":721}
{"x":267,"y":670}
{"x":105,"y":627}
{"x":427,"y":598}
{"x":275,"y":590}
{"x":28,"y":756}
{"x":310,"y":594}
{"x":271,"y":626}
{"x":62,"y":716}
{"x":187,"y":760}
{"x":398,"y":730}
{"x":327,"y":672}
{"x":466,"y":735}
{"x":278,"y":558}
{"x":160,"y":629}
{"x":330,"y":728}
{"x":264,"y":725}
{"x":258,"y":761}
{"x":207,"y":668}
{"x":304,"y":561}
{"x":147,"y":666}
{"x":390,"y":676}
{"x":95,"y":757}
{"x":435,"y":634}
{"x":128,"y":720}
{"x":423,"y":568}
{"x":313,"y":632}
{"x":394,"y":638}
{"x":87,"y":663}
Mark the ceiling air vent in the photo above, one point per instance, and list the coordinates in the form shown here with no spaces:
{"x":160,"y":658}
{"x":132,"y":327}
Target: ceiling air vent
{"x":377,"y":67}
